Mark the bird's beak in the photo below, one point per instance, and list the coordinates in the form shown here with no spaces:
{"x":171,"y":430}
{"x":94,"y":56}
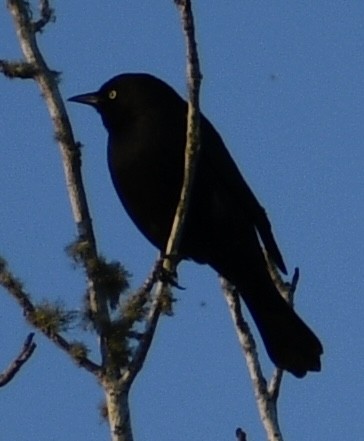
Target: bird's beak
{"x":92,"y":99}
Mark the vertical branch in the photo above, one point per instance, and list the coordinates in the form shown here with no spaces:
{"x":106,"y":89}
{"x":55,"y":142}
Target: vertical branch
{"x":193,"y":130}
{"x":117,"y":403}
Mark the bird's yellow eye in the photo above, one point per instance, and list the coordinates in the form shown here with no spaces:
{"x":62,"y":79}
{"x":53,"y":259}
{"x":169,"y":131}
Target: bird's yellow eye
{"x":112,"y":94}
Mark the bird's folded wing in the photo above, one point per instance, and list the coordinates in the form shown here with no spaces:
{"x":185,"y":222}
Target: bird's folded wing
{"x":215,"y":155}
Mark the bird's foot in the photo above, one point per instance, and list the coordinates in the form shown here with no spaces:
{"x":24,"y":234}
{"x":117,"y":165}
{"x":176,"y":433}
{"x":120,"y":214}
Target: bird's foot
{"x":166,"y":275}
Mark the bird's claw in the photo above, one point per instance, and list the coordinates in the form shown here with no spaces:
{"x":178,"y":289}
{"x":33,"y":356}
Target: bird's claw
{"x":165,"y":275}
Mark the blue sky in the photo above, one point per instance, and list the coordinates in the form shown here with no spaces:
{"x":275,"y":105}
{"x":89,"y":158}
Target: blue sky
{"x":284,"y":85}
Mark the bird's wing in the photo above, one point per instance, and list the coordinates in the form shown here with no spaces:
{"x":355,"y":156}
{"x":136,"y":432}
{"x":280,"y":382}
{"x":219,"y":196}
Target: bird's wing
{"x":215,"y":155}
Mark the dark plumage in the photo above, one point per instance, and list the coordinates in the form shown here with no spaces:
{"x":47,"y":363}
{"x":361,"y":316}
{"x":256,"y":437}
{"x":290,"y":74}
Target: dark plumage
{"x":146,"y":122}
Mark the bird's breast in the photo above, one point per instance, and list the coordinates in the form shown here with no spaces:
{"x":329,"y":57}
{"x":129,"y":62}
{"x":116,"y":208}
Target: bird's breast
{"x":148,"y":186}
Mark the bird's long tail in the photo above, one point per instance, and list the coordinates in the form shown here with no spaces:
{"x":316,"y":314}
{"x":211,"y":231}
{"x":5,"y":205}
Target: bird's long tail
{"x":289,"y":342}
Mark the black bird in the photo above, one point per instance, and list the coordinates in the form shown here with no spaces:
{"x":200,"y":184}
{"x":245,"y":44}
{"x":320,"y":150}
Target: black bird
{"x":146,"y":122}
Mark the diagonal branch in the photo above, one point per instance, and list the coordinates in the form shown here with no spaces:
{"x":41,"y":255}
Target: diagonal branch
{"x":246,"y":338}
{"x":15,"y":288}
{"x":144,"y":345}
{"x":26,"y":352}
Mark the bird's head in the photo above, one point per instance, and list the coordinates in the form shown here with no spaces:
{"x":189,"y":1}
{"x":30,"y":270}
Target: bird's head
{"x":124,"y":97}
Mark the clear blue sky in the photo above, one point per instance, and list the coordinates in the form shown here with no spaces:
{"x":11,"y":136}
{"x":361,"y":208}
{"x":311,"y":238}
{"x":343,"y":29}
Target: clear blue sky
{"x":284,"y":84}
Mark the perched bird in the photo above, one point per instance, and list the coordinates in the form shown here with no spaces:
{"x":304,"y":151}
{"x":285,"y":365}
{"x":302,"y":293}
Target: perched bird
{"x":146,"y":122}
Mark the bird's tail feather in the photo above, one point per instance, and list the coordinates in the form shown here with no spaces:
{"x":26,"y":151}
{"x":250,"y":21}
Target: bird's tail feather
{"x":290,"y":343}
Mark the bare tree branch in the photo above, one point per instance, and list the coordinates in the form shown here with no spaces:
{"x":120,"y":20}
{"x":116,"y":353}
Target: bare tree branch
{"x":266,"y":404}
{"x":193,"y":130}
{"x":26,"y":352}
{"x":144,"y":345}
{"x":46,"y":16}
{"x":275,"y":384}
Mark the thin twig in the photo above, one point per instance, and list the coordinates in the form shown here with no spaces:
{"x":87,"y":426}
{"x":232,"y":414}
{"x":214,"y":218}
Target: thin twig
{"x":275,"y":384}
{"x":245,"y":336}
{"x":193,"y":131}
{"x":46,"y":16}
{"x":145,"y":339}
{"x":153,"y":276}
{"x":144,"y":344}
{"x":14,"y":367}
